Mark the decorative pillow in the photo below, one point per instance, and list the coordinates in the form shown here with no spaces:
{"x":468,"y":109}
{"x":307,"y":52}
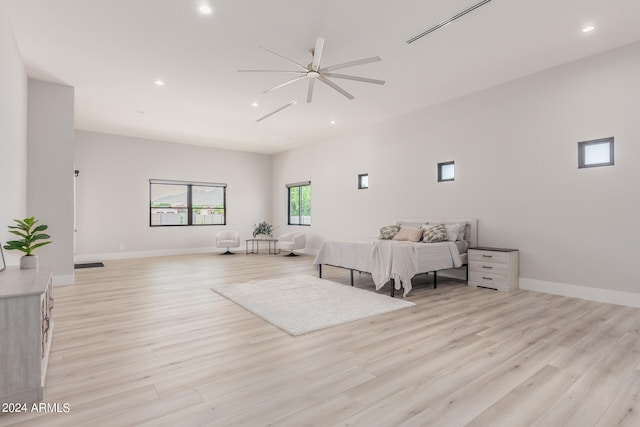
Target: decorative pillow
{"x":409,"y":234}
{"x":388,"y":232}
{"x":433,"y":234}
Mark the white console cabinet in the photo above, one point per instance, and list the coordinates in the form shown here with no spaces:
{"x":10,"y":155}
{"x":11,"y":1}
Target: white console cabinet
{"x":26,"y":325}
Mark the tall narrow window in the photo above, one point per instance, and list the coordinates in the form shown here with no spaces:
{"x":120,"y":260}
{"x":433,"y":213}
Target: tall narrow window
{"x":299,"y":200}
{"x":446,"y":171}
{"x":594,"y":153}
{"x":186,"y":203}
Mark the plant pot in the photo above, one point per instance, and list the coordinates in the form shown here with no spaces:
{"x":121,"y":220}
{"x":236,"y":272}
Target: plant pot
{"x":29,"y":261}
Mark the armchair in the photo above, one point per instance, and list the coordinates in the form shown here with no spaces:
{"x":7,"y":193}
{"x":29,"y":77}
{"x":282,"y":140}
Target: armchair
{"x":227,"y":239}
{"x":292,"y":241}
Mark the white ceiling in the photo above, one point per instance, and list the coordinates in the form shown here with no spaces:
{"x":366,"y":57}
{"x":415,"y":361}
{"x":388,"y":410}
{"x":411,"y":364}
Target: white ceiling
{"x":112,"y":51}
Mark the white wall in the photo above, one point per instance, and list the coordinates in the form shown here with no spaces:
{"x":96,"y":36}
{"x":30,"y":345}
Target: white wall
{"x":515,"y":148}
{"x":113,"y":194}
{"x":13,"y":134}
{"x":50,"y":138}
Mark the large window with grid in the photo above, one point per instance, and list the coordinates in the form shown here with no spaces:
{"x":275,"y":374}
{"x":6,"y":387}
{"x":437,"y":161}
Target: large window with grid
{"x":299,"y":199}
{"x":176,"y":203}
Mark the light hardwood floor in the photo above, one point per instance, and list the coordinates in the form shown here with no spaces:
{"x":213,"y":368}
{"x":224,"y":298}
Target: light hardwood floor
{"x":146,"y":342}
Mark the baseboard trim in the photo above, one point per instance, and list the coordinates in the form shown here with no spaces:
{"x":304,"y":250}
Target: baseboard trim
{"x":63,"y":279}
{"x":145,"y":254}
{"x":610,"y":296}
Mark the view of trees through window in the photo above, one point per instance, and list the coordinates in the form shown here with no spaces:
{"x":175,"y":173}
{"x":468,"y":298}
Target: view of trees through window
{"x":299,"y":204}
{"x":187,"y":203}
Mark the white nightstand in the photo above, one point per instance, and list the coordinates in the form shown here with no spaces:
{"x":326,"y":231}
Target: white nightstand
{"x":493,"y":268}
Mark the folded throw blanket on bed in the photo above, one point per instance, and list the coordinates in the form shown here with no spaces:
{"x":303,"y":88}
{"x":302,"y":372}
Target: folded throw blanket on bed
{"x":394,"y":260}
{"x":399,"y":261}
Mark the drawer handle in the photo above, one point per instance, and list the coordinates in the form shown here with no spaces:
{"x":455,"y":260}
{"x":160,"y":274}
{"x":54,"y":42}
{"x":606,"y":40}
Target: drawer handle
{"x":487,"y":278}
{"x":487,"y":267}
{"x":487,"y":256}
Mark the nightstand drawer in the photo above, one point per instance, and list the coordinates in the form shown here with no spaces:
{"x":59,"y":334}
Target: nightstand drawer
{"x":489,"y":256}
{"x":488,"y":267}
{"x":488,"y":279}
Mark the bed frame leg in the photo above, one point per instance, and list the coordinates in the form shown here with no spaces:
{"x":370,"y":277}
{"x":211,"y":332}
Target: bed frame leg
{"x":351,"y":277}
{"x":393,"y":288}
{"x":435,"y":279}
{"x":467,"y":269}
{"x":320,"y":271}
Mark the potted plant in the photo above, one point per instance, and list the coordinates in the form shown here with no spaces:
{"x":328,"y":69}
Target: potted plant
{"x":263,"y":229}
{"x":31,"y":239}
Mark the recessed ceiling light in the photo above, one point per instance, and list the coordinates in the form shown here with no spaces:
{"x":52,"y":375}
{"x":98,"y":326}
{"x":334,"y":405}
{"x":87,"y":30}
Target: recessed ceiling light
{"x":159,"y":82}
{"x":255,"y":104}
{"x":588,"y":29}
{"x":205,"y":9}
{"x":333,"y":122}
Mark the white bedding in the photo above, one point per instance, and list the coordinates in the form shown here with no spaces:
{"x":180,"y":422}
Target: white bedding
{"x":388,"y":259}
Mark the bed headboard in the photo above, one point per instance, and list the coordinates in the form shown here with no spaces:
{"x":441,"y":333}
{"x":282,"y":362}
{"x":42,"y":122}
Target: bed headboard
{"x":470,"y":234}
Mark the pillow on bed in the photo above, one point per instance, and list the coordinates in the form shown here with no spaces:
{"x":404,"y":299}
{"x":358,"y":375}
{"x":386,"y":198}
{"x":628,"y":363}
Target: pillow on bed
{"x":409,"y":234}
{"x":463,"y":229}
{"x":388,"y":232}
{"x":453,"y":231}
{"x":434,"y":234}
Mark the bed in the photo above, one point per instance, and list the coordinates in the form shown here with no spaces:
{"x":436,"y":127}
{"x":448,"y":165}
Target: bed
{"x":396,"y":262}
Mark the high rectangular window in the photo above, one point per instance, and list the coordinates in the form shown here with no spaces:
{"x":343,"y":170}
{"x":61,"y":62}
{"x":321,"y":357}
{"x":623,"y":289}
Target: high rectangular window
{"x":363,"y":181}
{"x":594,"y":153}
{"x":186,"y":203}
{"x":299,"y":201}
{"x":446,"y":171}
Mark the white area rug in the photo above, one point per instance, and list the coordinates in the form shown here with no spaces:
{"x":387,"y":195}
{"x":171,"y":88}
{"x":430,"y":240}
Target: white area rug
{"x":301,"y":304}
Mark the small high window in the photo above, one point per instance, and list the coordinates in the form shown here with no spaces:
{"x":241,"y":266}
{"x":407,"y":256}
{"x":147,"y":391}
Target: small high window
{"x":446,"y":171}
{"x":363,"y":181}
{"x":594,"y":153}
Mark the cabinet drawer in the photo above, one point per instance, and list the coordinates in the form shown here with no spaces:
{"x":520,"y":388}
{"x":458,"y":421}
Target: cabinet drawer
{"x":488,"y":267}
{"x":490,"y":256}
{"x":489,"y":279}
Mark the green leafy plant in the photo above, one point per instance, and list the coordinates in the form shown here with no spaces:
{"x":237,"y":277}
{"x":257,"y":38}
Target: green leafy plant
{"x":263,"y":228}
{"x":30,"y":233}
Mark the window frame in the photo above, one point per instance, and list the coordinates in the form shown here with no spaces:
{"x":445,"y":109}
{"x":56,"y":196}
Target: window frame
{"x":582,"y":145}
{"x":441,"y":165}
{"x":189,"y":208}
{"x":299,"y":185}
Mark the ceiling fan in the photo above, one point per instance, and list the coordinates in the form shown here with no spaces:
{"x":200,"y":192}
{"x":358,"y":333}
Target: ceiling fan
{"x":314,"y":72}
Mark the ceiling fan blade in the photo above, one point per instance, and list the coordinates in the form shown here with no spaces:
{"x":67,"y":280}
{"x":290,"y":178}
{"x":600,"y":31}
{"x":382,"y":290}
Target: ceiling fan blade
{"x":356,"y":78}
{"x":335,"y":86}
{"x":310,"y":90}
{"x":351,"y":63}
{"x":289,"y":104}
{"x":285,"y":83}
{"x":285,"y":58}
{"x":317,"y":54}
{"x":271,"y":71}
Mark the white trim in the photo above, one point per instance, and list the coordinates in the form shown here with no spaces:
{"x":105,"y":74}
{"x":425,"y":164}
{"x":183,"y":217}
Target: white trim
{"x":610,"y":296}
{"x":63,"y":279}
{"x":145,"y":254}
